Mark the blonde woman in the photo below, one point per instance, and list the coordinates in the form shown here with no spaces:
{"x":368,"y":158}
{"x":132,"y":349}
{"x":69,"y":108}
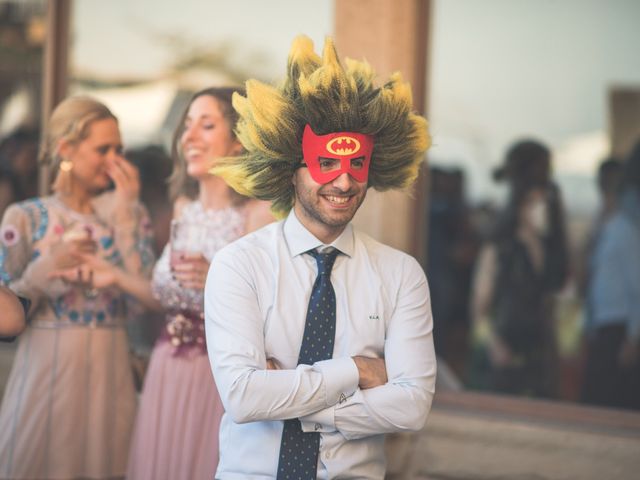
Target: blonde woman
{"x":70,"y":402}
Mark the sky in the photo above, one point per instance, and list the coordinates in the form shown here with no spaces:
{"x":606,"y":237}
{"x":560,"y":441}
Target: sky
{"x":500,"y":69}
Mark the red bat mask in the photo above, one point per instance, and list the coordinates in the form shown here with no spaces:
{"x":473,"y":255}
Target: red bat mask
{"x":329,"y":156}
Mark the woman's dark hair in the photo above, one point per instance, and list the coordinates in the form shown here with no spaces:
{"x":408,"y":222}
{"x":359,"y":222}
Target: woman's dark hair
{"x":526,"y":166}
{"x":556,"y":268}
{"x":179,"y":182}
{"x":527,"y":162}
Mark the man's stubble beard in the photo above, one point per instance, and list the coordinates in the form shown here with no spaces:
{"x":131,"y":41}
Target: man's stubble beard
{"x":317,"y":215}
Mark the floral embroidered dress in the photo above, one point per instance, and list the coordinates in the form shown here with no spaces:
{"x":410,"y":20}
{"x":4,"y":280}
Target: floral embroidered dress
{"x":70,"y":402}
{"x":176,"y":432}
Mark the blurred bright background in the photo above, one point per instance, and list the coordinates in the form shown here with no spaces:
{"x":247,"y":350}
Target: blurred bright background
{"x":498,"y":71}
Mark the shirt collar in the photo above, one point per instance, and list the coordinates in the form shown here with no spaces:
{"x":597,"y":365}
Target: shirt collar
{"x":301,"y":240}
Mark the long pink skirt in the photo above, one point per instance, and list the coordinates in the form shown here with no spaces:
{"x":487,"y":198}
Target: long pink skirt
{"x":69,"y":405}
{"x":176,"y":431}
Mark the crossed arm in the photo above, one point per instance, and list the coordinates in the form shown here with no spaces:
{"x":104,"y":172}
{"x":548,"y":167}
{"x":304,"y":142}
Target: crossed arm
{"x":351,"y":395}
{"x":372,"y":372}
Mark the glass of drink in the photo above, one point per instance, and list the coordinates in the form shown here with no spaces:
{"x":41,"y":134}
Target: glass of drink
{"x":187,"y":238}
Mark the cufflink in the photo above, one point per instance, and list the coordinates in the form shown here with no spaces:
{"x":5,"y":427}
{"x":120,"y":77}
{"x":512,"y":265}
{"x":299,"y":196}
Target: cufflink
{"x":317,"y":427}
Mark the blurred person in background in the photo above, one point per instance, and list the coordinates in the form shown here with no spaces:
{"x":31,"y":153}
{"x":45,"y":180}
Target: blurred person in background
{"x":522,"y":266}
{"x":608,"y":181}
{"x":154,"y":166}
{"x":176,"y":431}
{"x":8,"y":193}
{"x":69,"y":403}
{"x":18,"y":166}
{"x":612,"y":375}
{"x":451,"y":250}
{"x":610,"y":173}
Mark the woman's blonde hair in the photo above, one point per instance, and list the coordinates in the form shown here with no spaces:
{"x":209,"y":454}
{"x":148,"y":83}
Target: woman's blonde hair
{"x":320,"y":92}
{"x":70,"y":121}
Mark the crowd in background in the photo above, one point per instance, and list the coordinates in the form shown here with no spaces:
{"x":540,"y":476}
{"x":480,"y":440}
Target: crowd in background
{"x":499,"y":274}
{"x":81,"y":262}
{"x":495,"y":273}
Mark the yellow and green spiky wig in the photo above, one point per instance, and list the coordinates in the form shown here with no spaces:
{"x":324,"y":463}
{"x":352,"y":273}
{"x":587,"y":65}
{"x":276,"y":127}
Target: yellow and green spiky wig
{"x":320,"y":92}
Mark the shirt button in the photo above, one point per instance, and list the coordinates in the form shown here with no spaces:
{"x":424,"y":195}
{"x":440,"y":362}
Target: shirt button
{"x":317,"y":427}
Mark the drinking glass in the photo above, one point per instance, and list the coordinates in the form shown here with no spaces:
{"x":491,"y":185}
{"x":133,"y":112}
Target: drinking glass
{"x":186,"y":238}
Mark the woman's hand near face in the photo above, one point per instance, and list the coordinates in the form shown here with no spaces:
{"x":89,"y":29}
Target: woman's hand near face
{"x":126,"y":179}
{"x":190,"y":270}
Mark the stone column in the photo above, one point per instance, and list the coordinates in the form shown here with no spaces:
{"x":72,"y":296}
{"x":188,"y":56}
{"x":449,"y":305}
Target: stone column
{"x":624,"y":119}
{"x":392,"y":35}
{"x":54,"y":70}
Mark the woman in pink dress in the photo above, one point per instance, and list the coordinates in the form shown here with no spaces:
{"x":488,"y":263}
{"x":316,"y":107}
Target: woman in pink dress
{"x":176,"y":431}
{"x":70,"y":402}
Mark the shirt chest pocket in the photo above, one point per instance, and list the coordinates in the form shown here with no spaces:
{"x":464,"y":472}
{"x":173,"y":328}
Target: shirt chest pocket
{"x":360,"y":326}
{"x":361,"y":330}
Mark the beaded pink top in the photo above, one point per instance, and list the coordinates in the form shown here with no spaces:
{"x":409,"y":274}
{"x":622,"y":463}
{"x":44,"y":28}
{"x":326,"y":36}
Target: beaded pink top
{"x":185,"y":307}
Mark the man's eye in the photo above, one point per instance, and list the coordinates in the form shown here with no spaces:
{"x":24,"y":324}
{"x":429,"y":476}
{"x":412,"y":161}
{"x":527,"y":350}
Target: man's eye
{"x":357,"y":163}
{"x":328,"y":163}
{"x":103,"y":150}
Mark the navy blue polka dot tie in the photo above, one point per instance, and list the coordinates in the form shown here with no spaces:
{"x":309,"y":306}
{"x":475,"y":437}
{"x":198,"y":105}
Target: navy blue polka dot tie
{"x":298,"y":449}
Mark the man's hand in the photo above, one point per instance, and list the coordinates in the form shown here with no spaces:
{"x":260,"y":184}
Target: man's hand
{"x":372,"y":372}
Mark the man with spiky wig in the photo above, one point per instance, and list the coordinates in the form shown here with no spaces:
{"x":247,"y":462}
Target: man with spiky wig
{"x":320,"y":338}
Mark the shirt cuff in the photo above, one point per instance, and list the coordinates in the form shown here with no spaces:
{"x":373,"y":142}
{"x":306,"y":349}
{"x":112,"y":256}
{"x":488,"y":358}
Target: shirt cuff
{"x":322,"y":421}
{"x":340,"y":376}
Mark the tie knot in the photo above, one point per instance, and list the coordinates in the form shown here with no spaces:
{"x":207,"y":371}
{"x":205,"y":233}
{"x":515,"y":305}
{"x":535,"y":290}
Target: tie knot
{"x":325,"y":260}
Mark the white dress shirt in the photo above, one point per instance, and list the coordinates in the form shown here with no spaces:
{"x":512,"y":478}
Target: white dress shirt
{"x":256,"y":299}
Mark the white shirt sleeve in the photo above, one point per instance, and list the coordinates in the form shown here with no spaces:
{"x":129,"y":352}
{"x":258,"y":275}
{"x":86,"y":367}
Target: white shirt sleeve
{"x":404,"y":402}
{"x":235,"y":340}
